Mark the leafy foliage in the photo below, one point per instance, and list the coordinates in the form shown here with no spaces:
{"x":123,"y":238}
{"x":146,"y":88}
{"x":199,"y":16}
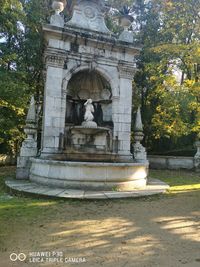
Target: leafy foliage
{"x":166,"y":84}
{"x":125,"y":10}
{"x":168,"y":76}
{"x":21,"y":49}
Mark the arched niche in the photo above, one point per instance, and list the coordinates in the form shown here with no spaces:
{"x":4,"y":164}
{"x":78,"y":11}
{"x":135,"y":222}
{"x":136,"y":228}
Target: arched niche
{"x":83,"y":85}
{"x":109,"y":75}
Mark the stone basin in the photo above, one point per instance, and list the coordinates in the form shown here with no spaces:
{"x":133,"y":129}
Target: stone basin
{"x":88,"y":131}
{"x":89,"y":175}
{"x":87,"y":138}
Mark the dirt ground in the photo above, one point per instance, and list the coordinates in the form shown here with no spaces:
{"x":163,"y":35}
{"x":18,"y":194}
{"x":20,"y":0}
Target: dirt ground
{"x":147,"y":232}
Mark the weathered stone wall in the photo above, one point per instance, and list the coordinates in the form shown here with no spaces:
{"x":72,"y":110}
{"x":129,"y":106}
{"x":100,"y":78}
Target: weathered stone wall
{"x":171,"y":163}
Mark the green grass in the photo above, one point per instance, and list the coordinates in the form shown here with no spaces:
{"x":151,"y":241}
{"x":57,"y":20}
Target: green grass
{"x":29,"y":207}
{"x":5,"y":172}
{"x":18,"y":206}
{"x":179,"y":181}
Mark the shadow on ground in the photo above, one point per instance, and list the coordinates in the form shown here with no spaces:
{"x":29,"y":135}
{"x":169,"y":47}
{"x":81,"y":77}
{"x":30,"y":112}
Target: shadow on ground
{"x":156,"y":231}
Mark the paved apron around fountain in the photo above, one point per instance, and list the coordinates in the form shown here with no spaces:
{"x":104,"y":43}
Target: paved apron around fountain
{"x":153,"y":187}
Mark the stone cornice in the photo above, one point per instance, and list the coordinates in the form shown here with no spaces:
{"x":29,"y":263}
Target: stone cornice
{"x":81,"y":36}
{"x":92,"y":59}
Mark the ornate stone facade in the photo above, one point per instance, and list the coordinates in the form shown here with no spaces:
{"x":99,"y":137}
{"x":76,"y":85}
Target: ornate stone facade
{"x":84,"y":60}
{"x":74,"y":50}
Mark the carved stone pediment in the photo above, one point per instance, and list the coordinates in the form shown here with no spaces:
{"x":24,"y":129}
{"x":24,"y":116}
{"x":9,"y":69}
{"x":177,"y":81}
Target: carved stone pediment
{"x":88,"y":14}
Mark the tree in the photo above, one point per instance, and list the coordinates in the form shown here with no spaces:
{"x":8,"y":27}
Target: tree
{"x":167,"y":30}
{"x":170,"y":108}
{"x":12,"y":82}
{"x":21,"y":48}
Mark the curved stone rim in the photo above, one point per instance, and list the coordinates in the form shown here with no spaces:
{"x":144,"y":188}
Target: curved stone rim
{"x":96,"y":176}
{"x":25,"y":187}
{"x":87,"y":163}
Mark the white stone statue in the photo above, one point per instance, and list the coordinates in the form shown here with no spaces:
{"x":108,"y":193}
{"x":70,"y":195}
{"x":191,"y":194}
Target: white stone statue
{"x":89,"y":109}
{"x":88,"y":117}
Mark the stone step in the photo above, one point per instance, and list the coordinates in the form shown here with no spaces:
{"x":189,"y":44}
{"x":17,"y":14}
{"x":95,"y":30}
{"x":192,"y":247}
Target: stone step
{"x":153,"y":187}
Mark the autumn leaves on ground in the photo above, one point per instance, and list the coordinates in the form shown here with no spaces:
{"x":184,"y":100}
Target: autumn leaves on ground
{"x":158,"y":231}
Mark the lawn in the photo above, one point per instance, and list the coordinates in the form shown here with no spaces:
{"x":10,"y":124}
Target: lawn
{"x":14,"y":206}
{"x":152,"y":231}
{"x":179,"y":181}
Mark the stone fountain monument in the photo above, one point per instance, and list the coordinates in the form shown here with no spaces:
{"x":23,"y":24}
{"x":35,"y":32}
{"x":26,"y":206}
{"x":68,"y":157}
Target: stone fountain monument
{"x":86,"y":127}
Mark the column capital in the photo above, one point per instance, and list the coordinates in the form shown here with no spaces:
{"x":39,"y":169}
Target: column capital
{"x":126,"y":71}
{"x":55,"y":59}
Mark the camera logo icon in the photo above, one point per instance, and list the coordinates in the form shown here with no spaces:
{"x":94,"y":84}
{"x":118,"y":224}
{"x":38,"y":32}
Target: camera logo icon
{"x":18,"y":257}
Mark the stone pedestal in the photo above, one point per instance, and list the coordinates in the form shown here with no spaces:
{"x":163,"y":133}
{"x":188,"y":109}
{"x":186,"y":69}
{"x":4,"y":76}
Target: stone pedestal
{"x":57,"y":20}
{"x":90,"y":138}
{"x":28,"y":150}
{"x":126,"y":36}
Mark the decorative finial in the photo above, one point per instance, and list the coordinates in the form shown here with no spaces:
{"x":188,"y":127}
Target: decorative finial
{"x":125,"y":17}
{"x":58,"y":7}
{"x":138,"y":122}
{"x":29,"y":145}
{"x":57,"y":19}
{"x":125,"y":21}
{"x":31,"y":116}
{"x":140,"y":154}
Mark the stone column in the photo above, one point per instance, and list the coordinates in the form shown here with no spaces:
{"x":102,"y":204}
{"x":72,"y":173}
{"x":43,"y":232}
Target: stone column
{"x":54,"y":104}
{"x":123,"y":110}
